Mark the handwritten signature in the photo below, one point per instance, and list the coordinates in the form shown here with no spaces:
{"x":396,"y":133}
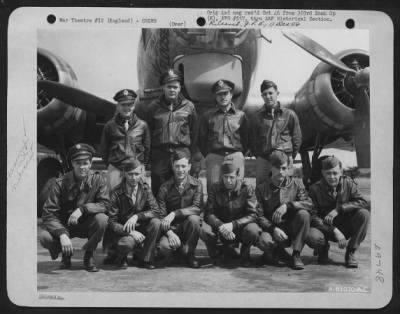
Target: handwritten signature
{"x":24,"y":157}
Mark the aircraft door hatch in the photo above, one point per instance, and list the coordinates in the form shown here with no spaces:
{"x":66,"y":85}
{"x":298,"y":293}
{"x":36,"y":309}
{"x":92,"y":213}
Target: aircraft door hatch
{"x":201,"y":71}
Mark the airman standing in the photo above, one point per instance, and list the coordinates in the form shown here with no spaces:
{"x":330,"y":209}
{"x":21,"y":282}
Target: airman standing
{"x":274,"y":128}
{"x":124,"y":136}
{"x":172,"y":120}
{"x":223,"y":133}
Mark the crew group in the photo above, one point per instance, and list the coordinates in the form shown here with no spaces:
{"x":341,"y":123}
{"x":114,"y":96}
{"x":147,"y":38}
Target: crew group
{"x":169,"y":218}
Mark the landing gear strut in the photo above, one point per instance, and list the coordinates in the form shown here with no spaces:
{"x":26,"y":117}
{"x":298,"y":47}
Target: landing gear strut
{"x":312,"y":169}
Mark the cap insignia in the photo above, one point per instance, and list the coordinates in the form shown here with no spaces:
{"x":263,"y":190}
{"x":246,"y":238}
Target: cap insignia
{"x":125,"y":92}
{"x":220,"y":83}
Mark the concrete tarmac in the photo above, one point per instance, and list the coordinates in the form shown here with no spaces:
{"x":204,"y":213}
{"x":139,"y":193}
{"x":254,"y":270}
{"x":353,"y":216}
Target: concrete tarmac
{"x":230,"y":277}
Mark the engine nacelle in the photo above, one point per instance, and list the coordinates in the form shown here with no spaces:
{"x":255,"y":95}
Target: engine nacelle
{"x":54,"y":116}
{"x":325,"y":103}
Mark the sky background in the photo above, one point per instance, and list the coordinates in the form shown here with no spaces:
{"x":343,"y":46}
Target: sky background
{"x":105,"y":60}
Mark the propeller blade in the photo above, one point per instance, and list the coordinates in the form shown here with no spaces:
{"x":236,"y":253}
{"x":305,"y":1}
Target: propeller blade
{"x":78,"y":98}
{"x":361,"y":129}
{"x":316,"y":50}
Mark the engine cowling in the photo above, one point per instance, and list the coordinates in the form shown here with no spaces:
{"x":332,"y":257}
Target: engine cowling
{"x":325,"y":103}
{"x":54,"y":116}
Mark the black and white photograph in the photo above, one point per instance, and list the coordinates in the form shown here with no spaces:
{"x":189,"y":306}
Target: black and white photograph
{"x":215,"y":160}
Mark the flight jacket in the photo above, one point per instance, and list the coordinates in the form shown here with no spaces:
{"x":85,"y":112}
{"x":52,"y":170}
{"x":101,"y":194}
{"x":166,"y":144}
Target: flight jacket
{"x":176,"y":128}
{"x":117,"y":144}
{"x":90,"y":196}
{"x":281,"y":132}
{"x":270,"y":197}
{"x":239,"y":206}
{"x":122,"y":207}
{"x":187,"y":203}
{"x":348,"y":201}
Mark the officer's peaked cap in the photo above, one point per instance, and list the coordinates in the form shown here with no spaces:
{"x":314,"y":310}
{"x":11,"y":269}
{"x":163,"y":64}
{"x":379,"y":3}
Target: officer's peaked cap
{"x":169,"y":76}
{"x":222,"y":86}
{"x":125,"y":96}
{"x":81,"y":151}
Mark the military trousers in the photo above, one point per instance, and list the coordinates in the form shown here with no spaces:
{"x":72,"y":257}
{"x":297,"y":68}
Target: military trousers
{"x":91,"y":227}
{"x":188,"y":232}
{"x":248,"y":236}
{"x":353,"y":227}
{"x":296,"y":226}
{"x":151,"y":230}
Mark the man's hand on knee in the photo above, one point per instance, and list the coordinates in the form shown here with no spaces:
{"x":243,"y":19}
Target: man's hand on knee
{"x":137,"y":236}
{"x":173,"y":239}
{"x":340,"y":238}
{"x":66,"y":245}
{"x":279,"y":235}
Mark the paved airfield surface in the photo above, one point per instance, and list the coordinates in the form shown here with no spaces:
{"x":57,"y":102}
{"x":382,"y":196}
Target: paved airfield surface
{"x":226,"y":278}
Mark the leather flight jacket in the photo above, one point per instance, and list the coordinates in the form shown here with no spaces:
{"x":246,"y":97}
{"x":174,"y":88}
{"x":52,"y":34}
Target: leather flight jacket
{"x":122,"y":207}
{"x":90,"y":196}
{"x":239,"y":206}
{"x":173,"y":127}
{"x":185,"y":203}
{"x":270,"y":197}
{"x":347,"y":201}
{"x":117,"y":144}
{"x":279,"y":132}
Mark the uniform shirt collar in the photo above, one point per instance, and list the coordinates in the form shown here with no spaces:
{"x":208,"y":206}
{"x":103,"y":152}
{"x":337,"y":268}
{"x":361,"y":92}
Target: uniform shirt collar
{"x":180,"y":102}
{"x":231,"y":108}
{"x":284,"y":183}
{"x":236,"y":190}
{"x":268,"y":110}
{"x":328,"y":188}
{"x":120,"y":120}
{"x":123,"y":189}
{"x":72,"y":182}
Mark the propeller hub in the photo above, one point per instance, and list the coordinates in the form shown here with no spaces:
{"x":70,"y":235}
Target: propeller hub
{"x":362,"y":77}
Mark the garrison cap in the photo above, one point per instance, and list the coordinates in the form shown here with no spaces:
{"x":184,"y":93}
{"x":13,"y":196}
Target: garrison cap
{"x":80,"y":151}
{"x":222,"y":86}
{"x":169,"y":76}
{"x":125,"y":96}
{"x":130,"y":164}
{"x":278,"y":158}
{"x":267,"y":84}
{"x":228,"y":166}
{"x":330,"y":162}
{"x":178,"y":155}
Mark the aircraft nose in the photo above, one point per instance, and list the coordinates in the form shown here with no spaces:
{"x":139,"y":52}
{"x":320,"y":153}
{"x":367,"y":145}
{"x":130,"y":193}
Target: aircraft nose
{"x":201,"y":71}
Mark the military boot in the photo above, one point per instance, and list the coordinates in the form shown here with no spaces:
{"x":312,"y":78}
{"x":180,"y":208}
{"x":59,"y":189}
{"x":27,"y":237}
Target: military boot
{"x":65,"y":262}
{"x":350,"y":259}
{"x":323,"y":257}
{"x":121,"y":261}
{"x":88,"y":262}
{"x":297,"y":263}
{"x":245,"y":255}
